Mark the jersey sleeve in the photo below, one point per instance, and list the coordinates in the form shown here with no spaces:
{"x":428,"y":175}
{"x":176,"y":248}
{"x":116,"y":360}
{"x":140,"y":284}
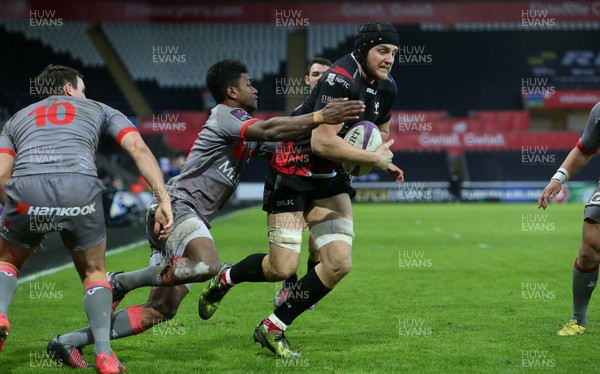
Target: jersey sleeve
{"x":117,"y":124}
{"x":6,"y":143}
{"x":234,"y":122}
{"x":589,"y":143}
{"x":337,"y":83}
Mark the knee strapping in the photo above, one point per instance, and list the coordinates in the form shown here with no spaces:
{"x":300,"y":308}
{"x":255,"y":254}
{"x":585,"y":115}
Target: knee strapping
{"x":329,"y":231}
{"x":286,"y":238}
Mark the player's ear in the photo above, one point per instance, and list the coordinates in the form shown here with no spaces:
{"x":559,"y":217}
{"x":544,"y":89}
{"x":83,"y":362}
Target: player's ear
{"x":68,"y":89}
{"x":231,"y":92}
{"x":307,"y":80}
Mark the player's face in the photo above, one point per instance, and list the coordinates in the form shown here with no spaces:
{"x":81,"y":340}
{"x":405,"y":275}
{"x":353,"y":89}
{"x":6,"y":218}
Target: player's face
{"x":247,"y":97}
{"x":72,"y":91}
{"x":314,"y":74}
{"x":380,"y":60}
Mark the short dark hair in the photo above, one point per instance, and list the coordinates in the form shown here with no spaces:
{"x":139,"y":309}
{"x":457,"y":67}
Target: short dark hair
{"x":223,"y":74}
{"x":317,"y":60}
{"x":52,"y":79}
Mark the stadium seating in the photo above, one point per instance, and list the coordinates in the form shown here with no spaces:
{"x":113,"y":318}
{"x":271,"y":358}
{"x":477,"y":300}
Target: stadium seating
{"x":196,"y":46}
{"x":27,"y":51}
{"x":70,"y":37}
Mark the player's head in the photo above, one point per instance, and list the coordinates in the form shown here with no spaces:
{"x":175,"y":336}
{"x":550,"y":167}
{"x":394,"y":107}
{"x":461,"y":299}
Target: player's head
{"x":228,"y":82}
{"x":375,"y":47}
{"x":60,"y":80}
{"x":316,"y":67}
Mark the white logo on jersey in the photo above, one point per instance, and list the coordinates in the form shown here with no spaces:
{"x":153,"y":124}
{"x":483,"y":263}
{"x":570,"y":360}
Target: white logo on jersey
{"x":371,"y":91}
{"x":341,"y":81}
{"x":330,"y":79}
{"x":376,"y":107}
{"x":228,"y":172}
{"x":326,"y":98}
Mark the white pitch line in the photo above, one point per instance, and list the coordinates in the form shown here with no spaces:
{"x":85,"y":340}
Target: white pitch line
{"x":121,"y":249}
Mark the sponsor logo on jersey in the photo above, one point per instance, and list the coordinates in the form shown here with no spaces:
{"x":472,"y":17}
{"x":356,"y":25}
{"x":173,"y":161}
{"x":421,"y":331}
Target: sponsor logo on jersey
{"x":376,"y":108}
{"x":23,"y":208}
{"x":227,"y":171}
{"x":371,"y":91}
{"x":241,"y":114}
{"x":325,"y":99}
{"x":330,"y":79}
{"x":341,"y":81}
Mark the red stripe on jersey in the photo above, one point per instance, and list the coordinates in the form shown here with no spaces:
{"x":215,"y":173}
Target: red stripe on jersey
{"x":245,"y":126}
{"x":8,"y":150}
{"x":9,"y":269}
{"x":341,"y":71}
{"x":584,"y":149}
{"x":125,"y":131}
{"x":134,"y":314}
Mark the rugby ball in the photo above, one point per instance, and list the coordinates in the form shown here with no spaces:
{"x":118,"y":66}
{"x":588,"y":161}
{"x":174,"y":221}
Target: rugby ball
{"x":364,"y":135}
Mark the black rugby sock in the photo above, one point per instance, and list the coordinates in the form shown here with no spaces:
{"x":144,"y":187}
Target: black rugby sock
{"x":292,"y":279}
{"x":306,"y":292}
{"x":248,"y":270}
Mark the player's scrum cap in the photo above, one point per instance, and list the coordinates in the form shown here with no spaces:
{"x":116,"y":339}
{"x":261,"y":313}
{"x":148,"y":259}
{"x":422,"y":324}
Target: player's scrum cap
{"x":372,"y":34}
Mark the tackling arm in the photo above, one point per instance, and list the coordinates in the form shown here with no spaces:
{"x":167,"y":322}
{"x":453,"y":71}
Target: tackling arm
{"x":287,"y":128}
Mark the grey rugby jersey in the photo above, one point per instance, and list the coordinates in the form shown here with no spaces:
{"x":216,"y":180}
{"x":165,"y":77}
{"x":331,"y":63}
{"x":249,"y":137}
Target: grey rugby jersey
{"x":212,"y":170}
{"x":60,"y":134}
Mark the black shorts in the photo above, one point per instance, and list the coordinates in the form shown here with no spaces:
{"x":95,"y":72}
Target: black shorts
{"x":69,"y":203}
{"x":287,"y":193}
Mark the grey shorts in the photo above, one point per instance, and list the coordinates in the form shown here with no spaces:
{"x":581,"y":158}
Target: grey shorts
{"x":70,"y":204}
{"x":592,"y":207}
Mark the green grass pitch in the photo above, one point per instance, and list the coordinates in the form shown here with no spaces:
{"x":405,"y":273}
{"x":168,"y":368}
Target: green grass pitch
{"x":471,"y":288}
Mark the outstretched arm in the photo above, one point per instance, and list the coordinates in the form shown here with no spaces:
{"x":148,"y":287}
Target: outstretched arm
{"x":287,"y":128}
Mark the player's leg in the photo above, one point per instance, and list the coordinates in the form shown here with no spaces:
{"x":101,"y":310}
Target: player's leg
{"x":330,"y":222}
{"x":162,"y":305}
{"x":84,"y":235}
{"x":314,"y":257}
{"x":97,"y":298}
{"x":285,"y":221}
{"x":17,"y":241}
{"x":313,"y":260}
{"x":285,"y":237}
{"x":194,"y":257}
{"x":12,"y":258}
{"x":585,"y":273}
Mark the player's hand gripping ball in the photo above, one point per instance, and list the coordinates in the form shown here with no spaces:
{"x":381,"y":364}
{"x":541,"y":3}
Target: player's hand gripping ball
{"x":364,"y":135}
